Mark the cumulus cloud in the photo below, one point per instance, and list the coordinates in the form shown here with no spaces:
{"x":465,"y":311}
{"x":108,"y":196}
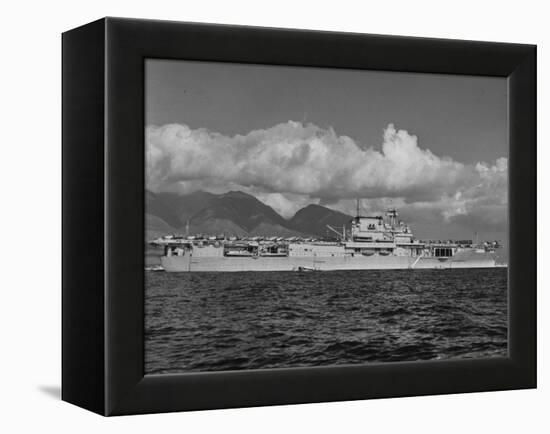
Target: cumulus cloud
{"x":285,"y":204}
{"x":292,"y":164}
{"x":299,"y":159}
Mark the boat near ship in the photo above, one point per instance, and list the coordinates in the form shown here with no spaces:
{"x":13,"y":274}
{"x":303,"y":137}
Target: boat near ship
{"x":372,"y":243}
{"x":154,"y":268}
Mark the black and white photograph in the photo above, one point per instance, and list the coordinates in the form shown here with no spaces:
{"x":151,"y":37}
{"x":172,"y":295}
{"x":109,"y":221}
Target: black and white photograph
{"x":277,"y":217}
{"x":300,"y":216}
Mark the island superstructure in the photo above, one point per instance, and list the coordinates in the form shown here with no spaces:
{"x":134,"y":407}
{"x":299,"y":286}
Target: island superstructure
{"x":371,"y":243}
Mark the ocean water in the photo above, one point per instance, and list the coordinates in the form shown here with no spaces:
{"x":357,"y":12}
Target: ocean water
{"x":254,"y":320}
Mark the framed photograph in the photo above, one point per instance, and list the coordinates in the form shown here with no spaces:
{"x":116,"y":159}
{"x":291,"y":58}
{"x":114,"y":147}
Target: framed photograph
{"x":260,"y":216}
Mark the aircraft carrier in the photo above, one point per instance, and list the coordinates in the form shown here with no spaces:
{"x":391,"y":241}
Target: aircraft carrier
{"x":371,"y":243}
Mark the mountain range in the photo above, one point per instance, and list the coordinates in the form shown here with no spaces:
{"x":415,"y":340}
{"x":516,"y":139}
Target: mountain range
{"x":233,"y":213}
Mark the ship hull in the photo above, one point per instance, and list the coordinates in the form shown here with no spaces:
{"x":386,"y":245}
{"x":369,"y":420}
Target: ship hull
{"x":189,"y":263}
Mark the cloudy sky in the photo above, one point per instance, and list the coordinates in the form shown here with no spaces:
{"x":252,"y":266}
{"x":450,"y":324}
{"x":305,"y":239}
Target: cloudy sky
{"x":434,"y":146}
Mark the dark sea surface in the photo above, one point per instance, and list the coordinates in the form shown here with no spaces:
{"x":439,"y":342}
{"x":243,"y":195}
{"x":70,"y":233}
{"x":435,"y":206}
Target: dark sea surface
{"x":254,"y":320}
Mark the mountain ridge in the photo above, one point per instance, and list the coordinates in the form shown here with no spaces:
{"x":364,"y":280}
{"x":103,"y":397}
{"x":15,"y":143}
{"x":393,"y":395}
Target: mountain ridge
{"x":234,"y":213}
{"x":315,"y":218}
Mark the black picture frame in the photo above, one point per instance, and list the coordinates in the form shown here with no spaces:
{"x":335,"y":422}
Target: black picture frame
{"x":103,"y":216}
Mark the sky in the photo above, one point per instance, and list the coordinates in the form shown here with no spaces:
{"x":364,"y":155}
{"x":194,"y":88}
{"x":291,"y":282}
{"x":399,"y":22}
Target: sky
{"x":434,"y":146}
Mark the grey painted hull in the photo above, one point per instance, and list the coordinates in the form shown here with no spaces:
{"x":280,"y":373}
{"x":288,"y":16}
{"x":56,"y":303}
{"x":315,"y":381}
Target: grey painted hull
{"x":188,"y":263}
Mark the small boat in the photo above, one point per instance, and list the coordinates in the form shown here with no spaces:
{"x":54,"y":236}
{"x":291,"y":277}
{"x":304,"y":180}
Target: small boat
{"x":304,"y":269}
{"x":154,"y":268}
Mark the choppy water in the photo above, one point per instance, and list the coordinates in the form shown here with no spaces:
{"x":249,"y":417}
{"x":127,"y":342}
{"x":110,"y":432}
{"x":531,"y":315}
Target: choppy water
{"x":227,"y":321}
